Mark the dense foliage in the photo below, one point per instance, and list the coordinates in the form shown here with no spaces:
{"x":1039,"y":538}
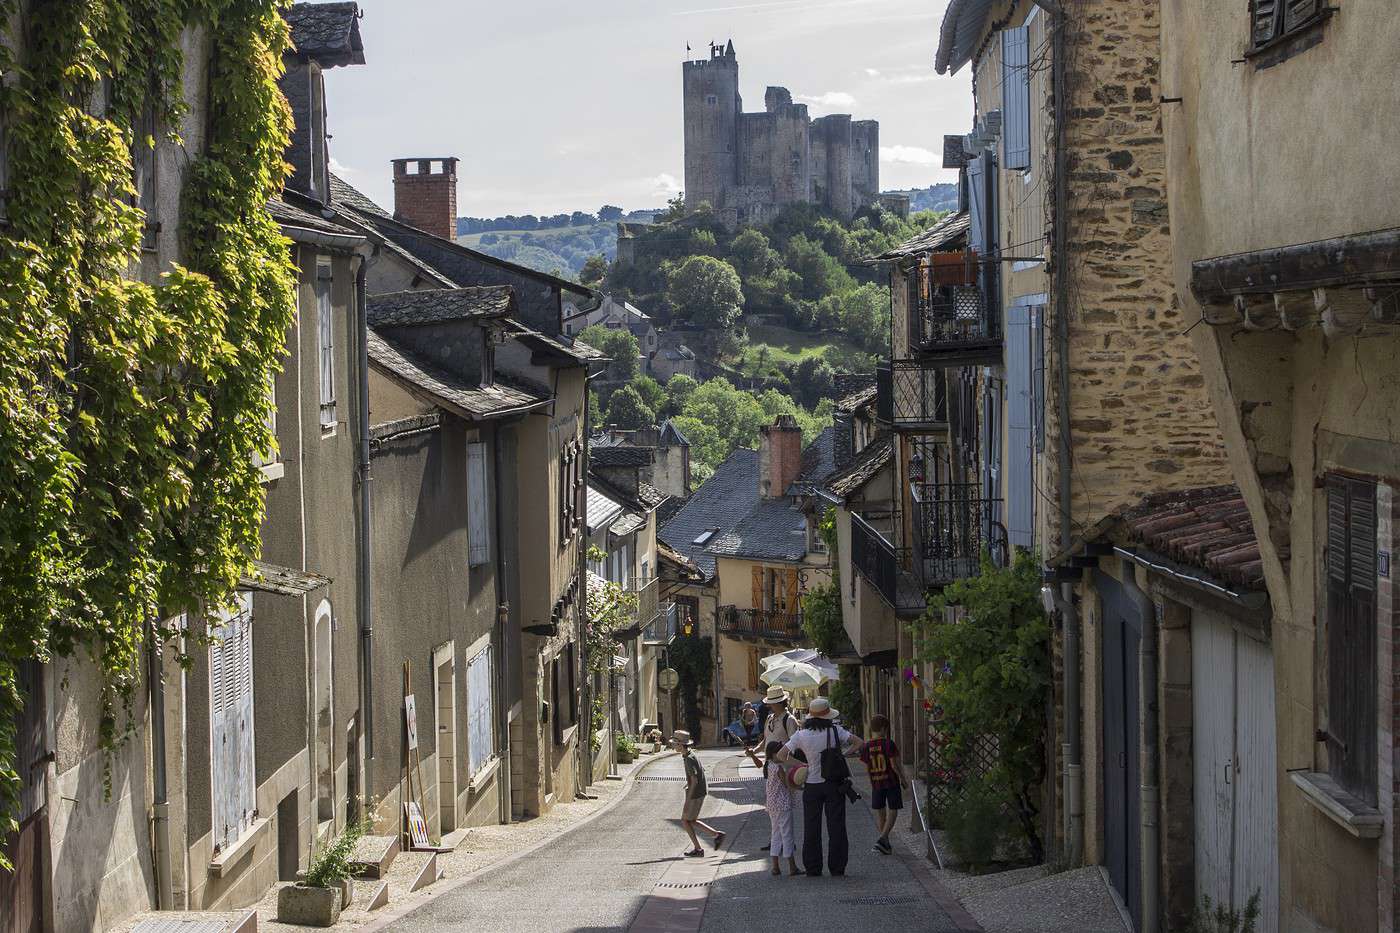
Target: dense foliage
{"x":996,"y":674}
{"x":133,"y":412}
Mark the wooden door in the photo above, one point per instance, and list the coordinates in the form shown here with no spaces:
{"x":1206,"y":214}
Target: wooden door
{"x":1121,"y":766}
{"x":1213,"y":712}
{"x":1256,"y":781}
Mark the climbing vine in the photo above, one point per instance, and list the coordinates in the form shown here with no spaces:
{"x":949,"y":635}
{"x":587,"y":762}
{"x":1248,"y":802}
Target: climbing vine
{"x":132,"y":411}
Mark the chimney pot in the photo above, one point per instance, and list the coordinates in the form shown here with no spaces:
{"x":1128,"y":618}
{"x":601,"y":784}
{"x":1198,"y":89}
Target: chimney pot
{"x":426,"y":199}
{"x":779,"y":456}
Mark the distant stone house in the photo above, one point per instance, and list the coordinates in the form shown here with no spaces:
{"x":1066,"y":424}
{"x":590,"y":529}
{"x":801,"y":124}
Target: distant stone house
{"x":673,"y":358}
{"x":615,"y":313}
{"x":662,"y":454}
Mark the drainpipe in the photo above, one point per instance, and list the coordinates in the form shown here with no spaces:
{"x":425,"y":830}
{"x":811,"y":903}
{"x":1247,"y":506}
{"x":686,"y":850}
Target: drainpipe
{"x":502,"y":635}
{"x":155,"y":676}
{"x":365,"y":608}
{"x":1147,"y":752}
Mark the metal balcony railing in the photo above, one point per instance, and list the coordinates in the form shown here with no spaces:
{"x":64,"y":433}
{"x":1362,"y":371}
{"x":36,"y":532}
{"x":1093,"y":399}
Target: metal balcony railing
{"x":952,"y":524}
{"x":664,"y":628}
{"x":919,"y":394}
{"x":957,"y":324}
{"x":761,"y":623}
{"x":645,"y":592}
{"x":884,"y":567}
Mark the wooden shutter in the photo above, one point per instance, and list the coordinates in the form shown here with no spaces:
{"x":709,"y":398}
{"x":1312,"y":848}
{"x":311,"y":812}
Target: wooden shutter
{"x":1263,"y":21}
{"x":1351,"y":635}
{"x":1016,"y":98}
{"x":977,"y":205}
{"x":757,"y":594}
{"x":790,"y":585}
{"x":478,"y":513}
{"x":231,"y":723}
{"x":1298,"y":12}
{"x":1020,"y":453}
{"x":1038,"y":376}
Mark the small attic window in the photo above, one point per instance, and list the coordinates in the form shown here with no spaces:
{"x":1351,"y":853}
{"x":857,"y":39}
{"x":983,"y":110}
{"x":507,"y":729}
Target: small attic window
{"x":703,"y":538}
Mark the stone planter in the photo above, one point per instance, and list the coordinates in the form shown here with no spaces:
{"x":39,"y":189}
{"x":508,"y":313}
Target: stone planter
{"x":347,"y":893}
{"x":310,"y":907}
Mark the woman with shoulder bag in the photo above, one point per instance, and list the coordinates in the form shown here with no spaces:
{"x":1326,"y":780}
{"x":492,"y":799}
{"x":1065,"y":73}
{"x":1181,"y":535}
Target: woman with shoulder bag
{"x":825,"y":792}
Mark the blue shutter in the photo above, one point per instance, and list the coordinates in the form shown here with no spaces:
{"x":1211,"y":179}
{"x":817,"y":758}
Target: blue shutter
{"x":478,"y":514}
{"x":1016,"y":98}
{"x":1038,"y":376}
{"x":1020,"y":454}
{"x":977,"y":205}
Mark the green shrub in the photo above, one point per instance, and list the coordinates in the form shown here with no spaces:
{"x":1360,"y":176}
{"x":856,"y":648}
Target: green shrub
{"x":1222,"y":918}
{"x":975,"y":826}
{"x":626,"y":745}
{"x":332,"y":864}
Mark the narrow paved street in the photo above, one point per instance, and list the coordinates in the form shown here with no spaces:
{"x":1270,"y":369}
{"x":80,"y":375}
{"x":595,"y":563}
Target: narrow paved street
{"x":624,"y":871}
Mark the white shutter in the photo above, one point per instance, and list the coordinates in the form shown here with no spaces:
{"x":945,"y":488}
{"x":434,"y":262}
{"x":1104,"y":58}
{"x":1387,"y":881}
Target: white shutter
{"x":480,"y":715}
{"x":478,"y":521}
{"x":232,"y":774}
{"x":1016,"y":98}
{"x":326,"y":328}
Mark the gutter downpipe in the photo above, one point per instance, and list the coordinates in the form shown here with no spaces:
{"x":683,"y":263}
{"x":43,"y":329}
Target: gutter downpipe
{"x":502,"y":635}
{"x":1147,"y":753}
{"x":155,"y":675}
{"x":1073,"y":750}
{"x":365,"y":609}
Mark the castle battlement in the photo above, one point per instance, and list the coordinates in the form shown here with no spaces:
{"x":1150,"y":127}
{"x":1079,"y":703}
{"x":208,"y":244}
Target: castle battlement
{"x":747,"y":166}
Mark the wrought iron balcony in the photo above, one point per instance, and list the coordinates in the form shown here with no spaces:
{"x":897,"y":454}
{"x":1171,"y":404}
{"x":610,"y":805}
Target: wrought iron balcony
{"x":952,"y":525}
{"x":761,"y":623}
{"x":884,"y":567}
{"x":664,"y":628}
{"x":645,"y":592}
{"x":912,"y":395}
{"x":956,"y":321}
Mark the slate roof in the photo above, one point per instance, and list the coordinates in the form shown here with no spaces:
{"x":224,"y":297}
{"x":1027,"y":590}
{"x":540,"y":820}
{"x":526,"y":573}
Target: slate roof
{"x":941,"y":236}
{"x":600,"y":508}
{"x":469,"y":401}
{"x":867,"y":463}
{"x":1208,"y":528}
{"x":345,"y":194}
{"x":290,"y":215}
{"x":327,"y":32}
{"x":433,"y":306}
{"x":621,"y":456}
{"x":720,"y":503}
{"x":669,"y":426}
{"x":774,"y":530}
{"x":628,"y":523}
{"x":687,"y":567}
{"x":579,"y":351}
{"x":650,"y":496}
{"x":856,"y":400}
{"x":818,"y":464}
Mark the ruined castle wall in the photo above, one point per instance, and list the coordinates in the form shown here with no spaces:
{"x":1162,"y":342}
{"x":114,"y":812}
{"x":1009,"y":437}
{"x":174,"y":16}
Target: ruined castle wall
{"x":834,"y":133}
{"x":865,"y":162}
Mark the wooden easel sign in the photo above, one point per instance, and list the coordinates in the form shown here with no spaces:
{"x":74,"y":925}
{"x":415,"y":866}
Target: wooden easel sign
{"x":417,"y":826}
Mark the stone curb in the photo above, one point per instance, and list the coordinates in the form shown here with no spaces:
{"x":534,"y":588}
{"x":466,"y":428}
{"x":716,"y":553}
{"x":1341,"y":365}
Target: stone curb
{"x":392,"y":914}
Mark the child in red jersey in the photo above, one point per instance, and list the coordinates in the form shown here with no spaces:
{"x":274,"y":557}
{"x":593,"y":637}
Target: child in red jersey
{"x":881,"y":757}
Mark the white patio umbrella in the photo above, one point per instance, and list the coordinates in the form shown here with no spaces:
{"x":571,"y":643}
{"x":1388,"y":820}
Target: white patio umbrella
{"x":794,"y":675}
{"x":802,"y":656}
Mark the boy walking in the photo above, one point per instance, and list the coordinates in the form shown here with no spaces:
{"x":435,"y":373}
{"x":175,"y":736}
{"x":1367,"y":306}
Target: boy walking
{"x":695,"y":791}
{"x":881,"y":757}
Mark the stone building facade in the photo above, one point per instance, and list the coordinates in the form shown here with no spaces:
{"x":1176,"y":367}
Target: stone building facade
{"x":747,"y":166}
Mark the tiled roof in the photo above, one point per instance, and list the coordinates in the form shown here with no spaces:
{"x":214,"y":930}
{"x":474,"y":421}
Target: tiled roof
{"x":774,"y":530}
{"x":433,"y":306}
{"x":718,"y":505}
{"x":289,"y":215}
{"x":600,"y":508}
{"x":1208,"y":529}
{"x":867,"y":463}
{"x":469,"y":401}
{"x":941,"y":236}
{"x":327,"y":32}
{"x":618,"y":455}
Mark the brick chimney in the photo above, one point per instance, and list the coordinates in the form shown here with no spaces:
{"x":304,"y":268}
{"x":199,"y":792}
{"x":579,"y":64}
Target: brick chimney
{"x":424,"y":198}
{"x":779,"y":456}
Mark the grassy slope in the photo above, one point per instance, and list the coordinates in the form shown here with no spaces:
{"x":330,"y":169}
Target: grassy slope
{"x":786,"y":345}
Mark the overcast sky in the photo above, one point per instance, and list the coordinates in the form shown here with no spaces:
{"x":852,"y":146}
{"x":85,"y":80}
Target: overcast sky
{"x":560,"y":105}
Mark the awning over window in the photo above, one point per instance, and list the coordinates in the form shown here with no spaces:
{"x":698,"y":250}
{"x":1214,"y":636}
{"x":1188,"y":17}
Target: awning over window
{"x":284,"y":581}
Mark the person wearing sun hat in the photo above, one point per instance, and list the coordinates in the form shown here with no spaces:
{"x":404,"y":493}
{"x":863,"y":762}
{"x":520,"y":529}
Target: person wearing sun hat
{"x":781,"y":724}
{"x":695,"y":793}
{"x":824,"y":744}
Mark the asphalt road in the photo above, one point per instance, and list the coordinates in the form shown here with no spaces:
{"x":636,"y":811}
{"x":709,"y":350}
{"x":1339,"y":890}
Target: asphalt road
{"x":600,"y":876}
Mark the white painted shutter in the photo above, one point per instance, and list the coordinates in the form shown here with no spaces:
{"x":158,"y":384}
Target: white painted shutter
{"x":977,"y":205}
{"x":480,"y":712}
{"x":1020,"y":453}
{"x":1016,"y":98}
{"x":1213,"y":749}
{"x":1256,"y":784}
{"x":478,"y":512}
{"x":326,"y":329}
{"x":232,"y":773}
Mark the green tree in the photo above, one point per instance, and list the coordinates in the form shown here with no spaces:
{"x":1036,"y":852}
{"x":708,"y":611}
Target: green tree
{"x":651,"y":392}
{"x":618,"y":345}
{"x":865,"y":317}
{"x":812,"y":380}
{"x":705,"y":292}
{"x":595,"y":409}
{"x":735,"y":414}
{"x":707,"y":447}
{"x":819,"y":273}
{"x":626,"y":410}
{"x":998,"y":675}
{"x":595,"y":269}
{"x":752,"y":255}
{"x":678,"y":390}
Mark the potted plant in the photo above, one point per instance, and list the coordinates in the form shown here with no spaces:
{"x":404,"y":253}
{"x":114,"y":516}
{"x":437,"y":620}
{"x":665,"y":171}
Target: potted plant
{"x":325,"y":890}
{"x":626,"y":748}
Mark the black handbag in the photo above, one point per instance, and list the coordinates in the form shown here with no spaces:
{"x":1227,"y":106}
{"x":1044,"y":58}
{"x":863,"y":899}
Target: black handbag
{"x":835,"y":770}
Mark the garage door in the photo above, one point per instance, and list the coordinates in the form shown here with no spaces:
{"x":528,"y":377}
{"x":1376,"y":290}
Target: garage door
{"x":1236,"y":787}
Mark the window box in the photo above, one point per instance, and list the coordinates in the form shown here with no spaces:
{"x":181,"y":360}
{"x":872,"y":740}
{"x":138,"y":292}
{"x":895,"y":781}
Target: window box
{"x":1346,"y":810}
{"x":222,"y":862}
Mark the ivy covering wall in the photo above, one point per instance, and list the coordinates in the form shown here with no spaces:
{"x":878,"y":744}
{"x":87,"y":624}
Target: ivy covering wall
{"x":131,"y":413}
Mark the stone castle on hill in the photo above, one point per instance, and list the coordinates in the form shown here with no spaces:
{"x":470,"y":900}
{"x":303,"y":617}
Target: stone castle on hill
{"x":747,"y":166}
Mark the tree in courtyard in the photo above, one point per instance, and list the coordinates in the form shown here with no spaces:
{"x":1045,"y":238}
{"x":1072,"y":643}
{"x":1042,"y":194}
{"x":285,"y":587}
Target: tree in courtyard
{"x":705,"y":292}
{"x":626,"y":410}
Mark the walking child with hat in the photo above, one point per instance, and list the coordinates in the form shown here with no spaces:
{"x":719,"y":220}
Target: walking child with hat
{"x":695,"y":793}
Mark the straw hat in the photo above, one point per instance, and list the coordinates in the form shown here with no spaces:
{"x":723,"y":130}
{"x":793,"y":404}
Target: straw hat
{"x":797,"y":777}
{"x":776,"y":694}
{"x":820,"y":708}
{"x":681,"y":737}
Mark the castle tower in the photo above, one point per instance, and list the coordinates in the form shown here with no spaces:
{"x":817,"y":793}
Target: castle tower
{"x":712,"y":107}
{"x":865,"y":162}
{"x":832,"y":168}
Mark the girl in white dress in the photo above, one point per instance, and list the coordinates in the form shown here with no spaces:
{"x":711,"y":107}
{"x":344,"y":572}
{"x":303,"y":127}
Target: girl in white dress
{"x":780,"y":799}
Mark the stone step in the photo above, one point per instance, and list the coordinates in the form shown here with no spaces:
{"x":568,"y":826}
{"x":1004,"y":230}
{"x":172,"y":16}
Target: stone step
{"x":374,"y":855}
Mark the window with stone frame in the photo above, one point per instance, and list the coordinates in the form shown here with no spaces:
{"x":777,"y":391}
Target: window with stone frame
{"x":1351,"y":642}
{"x":1271,"y":21}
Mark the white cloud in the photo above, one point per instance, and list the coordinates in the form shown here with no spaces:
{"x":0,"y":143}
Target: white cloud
{"x":829,"y":99}
{"x":872,"y":72}
{"x":664,"y":185}
{"x":910,"y":155}
{"x":901,"y":75}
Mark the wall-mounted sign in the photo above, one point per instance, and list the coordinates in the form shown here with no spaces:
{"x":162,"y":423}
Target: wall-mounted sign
{"x":667,"y":679}
{"x":410,"y":714}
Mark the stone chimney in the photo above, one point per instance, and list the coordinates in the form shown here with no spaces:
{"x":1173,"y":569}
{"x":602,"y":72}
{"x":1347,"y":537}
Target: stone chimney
{"x":424,"y":198}
{"x":779,"y":456}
